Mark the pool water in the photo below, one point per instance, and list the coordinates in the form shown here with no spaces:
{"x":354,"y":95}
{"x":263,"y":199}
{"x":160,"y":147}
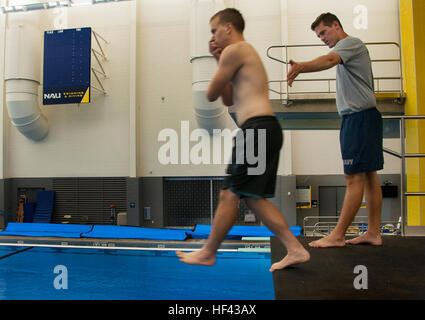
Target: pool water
{"x":104,"y":274}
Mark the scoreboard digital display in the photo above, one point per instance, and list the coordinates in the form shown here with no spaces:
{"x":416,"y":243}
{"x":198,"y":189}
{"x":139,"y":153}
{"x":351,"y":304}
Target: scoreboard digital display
{"x":67,"y":66}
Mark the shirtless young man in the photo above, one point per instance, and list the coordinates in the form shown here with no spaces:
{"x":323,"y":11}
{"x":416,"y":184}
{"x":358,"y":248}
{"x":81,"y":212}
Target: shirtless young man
{"x":241,"y":80}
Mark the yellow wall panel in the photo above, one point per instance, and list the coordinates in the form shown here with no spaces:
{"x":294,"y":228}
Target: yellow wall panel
{"x":412,"y":29}
{"x":419,"y":30}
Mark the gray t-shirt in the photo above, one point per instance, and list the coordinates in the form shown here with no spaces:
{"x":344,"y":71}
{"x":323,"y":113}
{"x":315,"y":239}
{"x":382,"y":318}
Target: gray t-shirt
{"x":354,"y":78}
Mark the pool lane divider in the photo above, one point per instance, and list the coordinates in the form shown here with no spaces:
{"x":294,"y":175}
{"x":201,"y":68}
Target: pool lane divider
{"x":265,"y":250}
{"x":241,"y":249}
{"x":255,"y":238}
{"x":16,"y":252}
{"x":63,"y":246}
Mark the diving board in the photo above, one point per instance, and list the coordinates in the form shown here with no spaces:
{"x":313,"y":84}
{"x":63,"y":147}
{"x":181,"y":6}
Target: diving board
{"x":122,"y":232}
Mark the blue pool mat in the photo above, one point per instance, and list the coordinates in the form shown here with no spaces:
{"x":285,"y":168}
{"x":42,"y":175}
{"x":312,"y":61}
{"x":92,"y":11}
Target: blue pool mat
{"x":237,"y":232}
{"x":45,"y":230}
{"x":122,"y":232}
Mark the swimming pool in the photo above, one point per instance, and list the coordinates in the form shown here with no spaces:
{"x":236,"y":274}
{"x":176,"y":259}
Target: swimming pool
{"x":45,"y":273}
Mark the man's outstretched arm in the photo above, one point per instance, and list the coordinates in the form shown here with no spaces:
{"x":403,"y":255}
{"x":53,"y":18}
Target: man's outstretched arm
{"x":321,"y":63}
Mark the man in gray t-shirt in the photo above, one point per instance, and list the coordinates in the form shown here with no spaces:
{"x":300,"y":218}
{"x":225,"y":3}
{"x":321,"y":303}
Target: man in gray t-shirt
{"x":361,"y":129}
{"x":354,"y":86}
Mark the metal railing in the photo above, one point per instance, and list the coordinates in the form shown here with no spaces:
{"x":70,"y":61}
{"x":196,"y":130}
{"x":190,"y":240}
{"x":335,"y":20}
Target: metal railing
{"x":356,"y":228}
{"x":403,"y":155}
{"x":283,"y":84}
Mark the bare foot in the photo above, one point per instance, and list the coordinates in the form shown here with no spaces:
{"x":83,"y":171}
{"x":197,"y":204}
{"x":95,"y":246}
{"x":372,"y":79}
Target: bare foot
{"x":328,"y":242}
{"x":367,"y":238}
{"x":196,"y":257}
{"x":291,"y":258}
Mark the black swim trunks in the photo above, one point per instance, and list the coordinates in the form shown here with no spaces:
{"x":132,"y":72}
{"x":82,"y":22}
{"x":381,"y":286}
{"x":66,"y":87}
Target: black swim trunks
{"x":255,"y":158}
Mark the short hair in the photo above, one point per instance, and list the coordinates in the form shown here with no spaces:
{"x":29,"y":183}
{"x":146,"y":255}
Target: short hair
{"x":327,"y":18}
{"x":231,"y":15}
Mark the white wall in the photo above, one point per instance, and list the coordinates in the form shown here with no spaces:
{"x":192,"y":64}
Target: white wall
{"x":3,"y":113}
{"x":164,"y":81}
{"x":317,"y":152}
{"x":94,"y":139}
{"x":85,"y":140}
{"x":304,"y":152}
{"x":163,"y":42}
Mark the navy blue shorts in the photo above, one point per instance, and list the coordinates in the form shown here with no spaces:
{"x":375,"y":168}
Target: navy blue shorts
{"x":361,"y":141}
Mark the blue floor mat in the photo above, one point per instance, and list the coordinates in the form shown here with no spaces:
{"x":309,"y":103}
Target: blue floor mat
{"x":45,"y":230}
{"x":124,"y":232}
{"x":237,"y":232}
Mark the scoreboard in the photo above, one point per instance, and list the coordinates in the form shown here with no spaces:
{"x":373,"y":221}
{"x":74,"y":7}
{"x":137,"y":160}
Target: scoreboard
{"x":67,"y":66}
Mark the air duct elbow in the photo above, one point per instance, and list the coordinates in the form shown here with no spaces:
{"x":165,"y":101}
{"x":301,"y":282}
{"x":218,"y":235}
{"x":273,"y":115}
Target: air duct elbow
{"x":210,"y":115}
{"x":22,"y":79}
{"x":23,"y":109}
